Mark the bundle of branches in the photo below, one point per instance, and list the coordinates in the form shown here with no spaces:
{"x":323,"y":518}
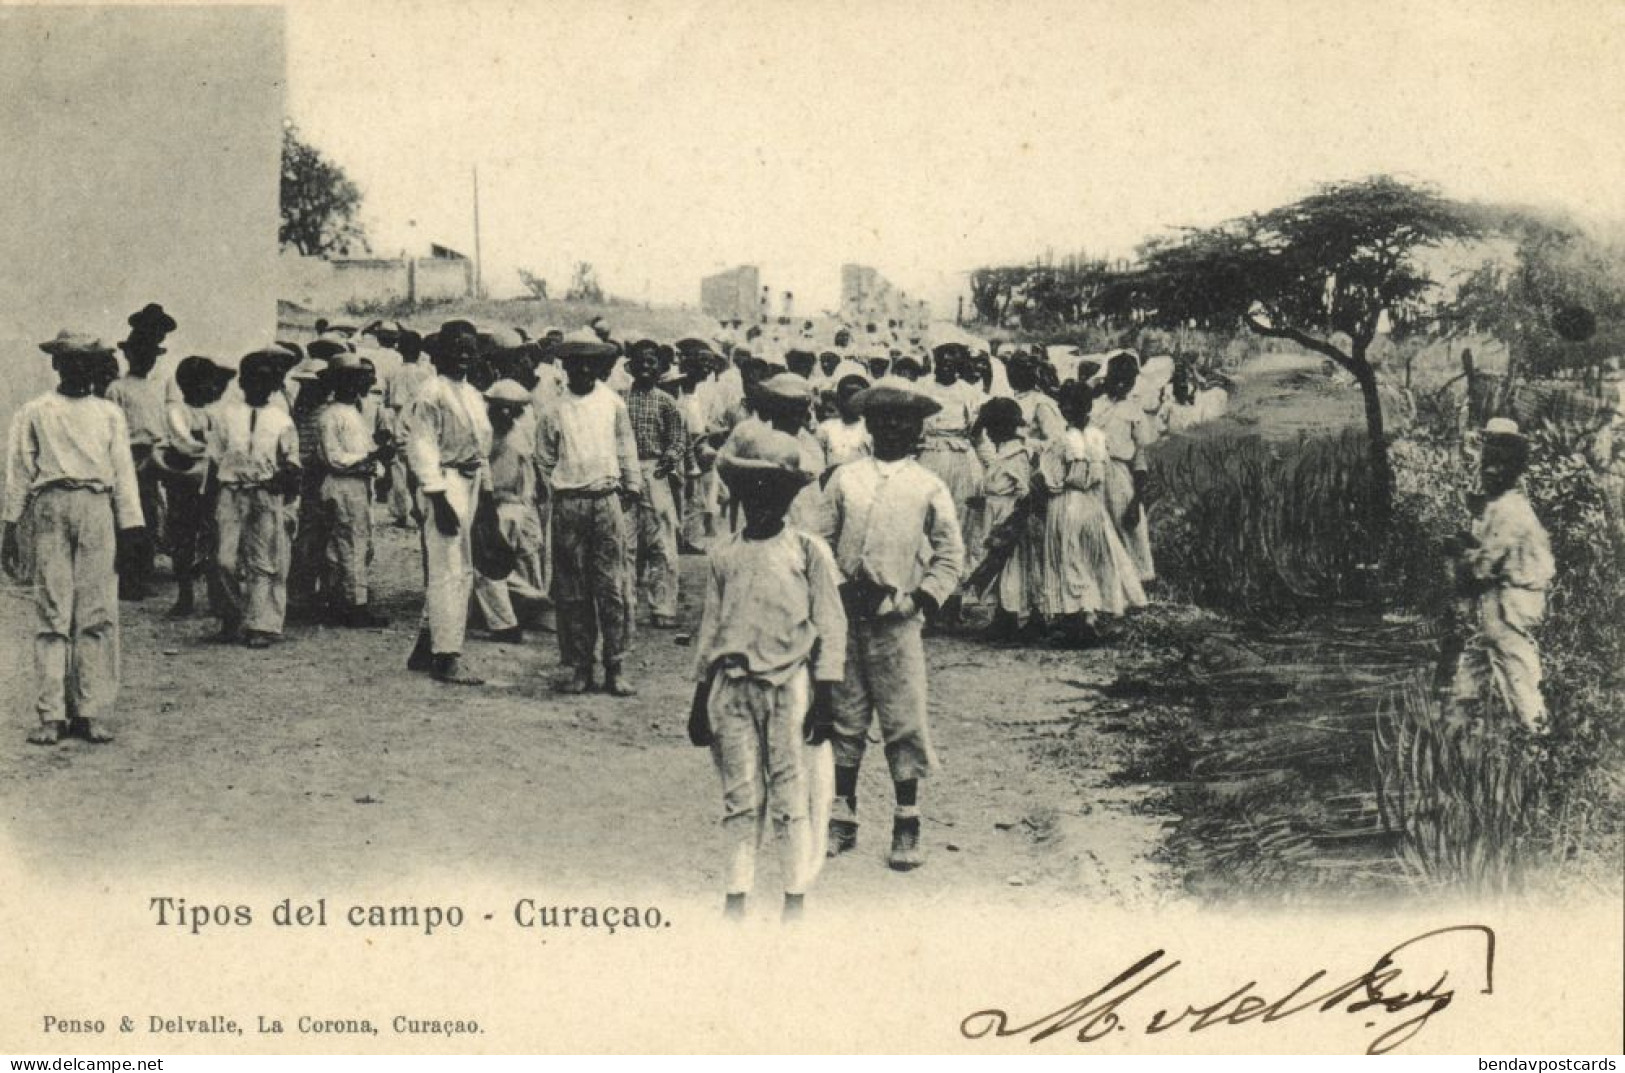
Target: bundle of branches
{"x":1003,"y":542}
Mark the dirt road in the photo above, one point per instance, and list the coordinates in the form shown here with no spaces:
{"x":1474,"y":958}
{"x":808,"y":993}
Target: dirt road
{"x":323,"y":760}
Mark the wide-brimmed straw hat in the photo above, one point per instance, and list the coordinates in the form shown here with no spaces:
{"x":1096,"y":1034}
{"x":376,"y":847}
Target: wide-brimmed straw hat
{"x":767,"y":455}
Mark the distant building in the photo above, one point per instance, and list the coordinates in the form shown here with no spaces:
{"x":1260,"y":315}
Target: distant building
{"x":733,"y":294}
{"x":867,"y":296}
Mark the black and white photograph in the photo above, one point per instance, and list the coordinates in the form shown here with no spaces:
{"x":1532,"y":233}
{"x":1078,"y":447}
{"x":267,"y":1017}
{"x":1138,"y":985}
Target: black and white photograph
{"x":541,"y":526}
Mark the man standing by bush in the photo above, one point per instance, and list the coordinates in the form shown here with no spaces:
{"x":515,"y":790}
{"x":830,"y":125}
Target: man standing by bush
{"x":1505,"y":566}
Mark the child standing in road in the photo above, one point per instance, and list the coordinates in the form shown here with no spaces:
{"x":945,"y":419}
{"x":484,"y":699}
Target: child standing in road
{"x":772,"y":648}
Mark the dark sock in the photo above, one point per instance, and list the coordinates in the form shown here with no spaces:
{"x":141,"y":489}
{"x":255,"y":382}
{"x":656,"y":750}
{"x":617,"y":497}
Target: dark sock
{"x":846,"y":785}
{"x":908,"y":793}
{"x":793,"y":905}
{"x":734,"y":907}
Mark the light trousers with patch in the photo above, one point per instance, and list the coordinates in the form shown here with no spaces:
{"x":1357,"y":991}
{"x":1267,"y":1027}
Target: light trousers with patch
{"x":75,"y":603}
{"x":885,"y":681}
{"x":757,"y":746}
{"x":347,"y":517}
{"x":448,"y":566}
{"x":251,"y":558}
{"x":522,"y":530}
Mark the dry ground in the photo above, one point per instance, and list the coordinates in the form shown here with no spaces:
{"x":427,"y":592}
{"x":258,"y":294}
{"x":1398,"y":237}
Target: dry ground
{"x":322,"y":760}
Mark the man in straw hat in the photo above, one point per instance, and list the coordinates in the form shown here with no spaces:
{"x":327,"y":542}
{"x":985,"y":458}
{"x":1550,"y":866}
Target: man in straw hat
{"x":589,"y":457}
{"x":68,"y":463}
{"x":772,"y":647}
{"x":891,"y":522}
{"x":447,"y":438}
{"x":1504,"y":565}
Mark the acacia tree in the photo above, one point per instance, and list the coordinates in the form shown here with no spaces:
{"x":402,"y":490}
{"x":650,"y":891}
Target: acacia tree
{"x":1321,"y":272}
{"x":319,"y":202}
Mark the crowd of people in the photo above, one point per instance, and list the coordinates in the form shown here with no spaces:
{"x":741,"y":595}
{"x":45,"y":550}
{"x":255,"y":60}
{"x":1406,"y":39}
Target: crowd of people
{"x":852,"y":496}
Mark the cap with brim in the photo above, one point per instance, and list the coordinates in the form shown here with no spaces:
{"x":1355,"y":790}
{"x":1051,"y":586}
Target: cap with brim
{"x":1503,"y":426}
{"x":75,"y":344}
{"x":503,"y":339}
{"x":307,"y":370}
{"x":509,"y":392}
{"x":268,"y":359}
{"x":584,"y":345}
{"x":294,"y":350}
{"x":173,"y":462}
{"x":895,"y":398}
{"x":344,"y":361}
{"x":767,"y":455}
{"x":326,"y":347}
{"x":692,"y":346}
{"x":784,"y":387}
{"x":458,"y":326}
{"x":152,"y":320}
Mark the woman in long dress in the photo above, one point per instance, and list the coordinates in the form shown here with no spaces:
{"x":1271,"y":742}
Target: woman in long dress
{"x":1127,"y":429}
{"x":1088,"y":573}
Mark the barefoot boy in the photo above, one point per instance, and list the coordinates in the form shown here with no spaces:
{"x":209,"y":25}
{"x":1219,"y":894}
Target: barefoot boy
{"x":772,"y":647}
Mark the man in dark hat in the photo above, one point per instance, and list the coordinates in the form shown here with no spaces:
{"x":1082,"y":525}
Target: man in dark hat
{"x":891,"y":523}
{"x":141,"y":398}
{"x":589,"y":457}
{"x":190,"y":495}
{"x":68,"y":464}
{"x":447,"y":438}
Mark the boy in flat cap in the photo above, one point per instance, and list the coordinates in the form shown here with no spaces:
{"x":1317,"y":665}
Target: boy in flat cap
{"x":253,"y":452}
{"x":514,"y":486}
{"x":68,"y":463}
{"x":1505,"y":566}
{"x":662,"y":441}
{"x":589,"y":457}
{"x":891,"y":522}
{"x":350,"y":454}
{"x":772,"y":646}
{"x":447,"y":438}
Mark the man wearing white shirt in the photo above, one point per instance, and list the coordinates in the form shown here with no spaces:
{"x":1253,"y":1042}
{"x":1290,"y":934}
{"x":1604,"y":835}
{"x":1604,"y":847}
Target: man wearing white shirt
{"x":447,"y":438}
{"x":254,"y":451}
{"x":68,"y":463}
{"x":587,"y":453}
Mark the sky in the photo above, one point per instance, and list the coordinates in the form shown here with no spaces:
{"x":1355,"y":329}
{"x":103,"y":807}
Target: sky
{"x":663,"y":141}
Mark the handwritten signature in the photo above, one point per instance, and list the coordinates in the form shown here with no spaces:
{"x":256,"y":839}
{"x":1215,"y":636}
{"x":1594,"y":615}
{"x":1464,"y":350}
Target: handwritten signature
{"x":1382,"y":991}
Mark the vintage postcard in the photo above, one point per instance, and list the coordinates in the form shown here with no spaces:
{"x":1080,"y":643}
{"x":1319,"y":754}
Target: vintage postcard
{"x":910,"y":527}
